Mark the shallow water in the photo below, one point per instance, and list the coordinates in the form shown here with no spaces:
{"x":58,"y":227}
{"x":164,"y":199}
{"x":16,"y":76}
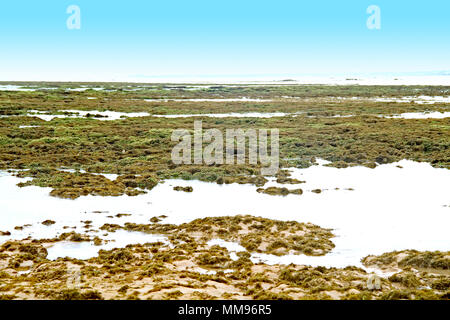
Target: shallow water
{"x":229,"y":115}
{"x":86,"y":250}
{"x":406,"y":115}
{"x":243,"y":99}
{"x":25,"y":127}
{"x":420,"y":115}
{"x":25,"y":88}
{"x":418,"y":99}
{"x":114,"y":115}
{"x":14,"y":88}
{"x":110,"y":176}
{"x":105,"y":115}
{"x":81,"y":89}
{"x":390,"y":208}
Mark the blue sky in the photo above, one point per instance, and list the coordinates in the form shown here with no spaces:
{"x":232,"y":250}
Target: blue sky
{"x":148,"y":39}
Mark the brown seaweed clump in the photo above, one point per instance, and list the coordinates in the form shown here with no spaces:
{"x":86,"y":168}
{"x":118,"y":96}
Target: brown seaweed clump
{"x":73,"y":185}
{"x":253,"y":233}
{"x":276,"y":191}
{"x":184,"y":189}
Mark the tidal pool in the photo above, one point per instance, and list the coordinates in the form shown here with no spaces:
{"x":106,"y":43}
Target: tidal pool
{"x":114,"y":115}
{"x":25,"y":127}
{"x":98,"y":115}
{"x":228,"y":115}
{"x":418,"y":99}
{"x":14,"y":88}
{"x":406,"y":115}
{"x":402,"y":205}
{"x":86,"y":250}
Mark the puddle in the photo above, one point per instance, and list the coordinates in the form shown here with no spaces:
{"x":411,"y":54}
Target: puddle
{"x":24,"y":127}
{"x":372,"y":211}
{"x":418,"y":99}
{"x":230,"y":246}
{"x":114,"y":115}
{"x":420,"y":115}
{"x":26,"y":88}
{"x":98,"y":115}
{"x":210,"y":272}
{"x":81,"y":89}
{"x":406,"y":115}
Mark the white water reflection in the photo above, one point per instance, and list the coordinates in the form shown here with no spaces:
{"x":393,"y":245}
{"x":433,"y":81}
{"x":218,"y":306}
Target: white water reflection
{"x":418,"y":99}
{"x":81,"y":89}
{"x":243,"y":99}
{"x":228,"y":115}
{"x":396,"y":206}
{"x":15,"y":88}
{"x":230,"y":246}
{"x":37,"y":88}
{"x":110,"y":176}
{"x":406,"y":115}
{"x":86,"y":250}
{"x":420,"y":115}
{"x":94,"y":114}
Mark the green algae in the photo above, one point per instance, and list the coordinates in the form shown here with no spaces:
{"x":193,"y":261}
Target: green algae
{"x":139,"y":148}
{"x":253,"y":233}
{"x":412,"y":258}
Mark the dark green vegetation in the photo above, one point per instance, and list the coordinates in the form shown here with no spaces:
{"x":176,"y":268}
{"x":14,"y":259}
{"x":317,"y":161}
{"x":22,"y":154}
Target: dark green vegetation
{"x":138,"y":149}
{"x":253,"y":233}
{"x":412,"y":258}
{"x":279,"y":191}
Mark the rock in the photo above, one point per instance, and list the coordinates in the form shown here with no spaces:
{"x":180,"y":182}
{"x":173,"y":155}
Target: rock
{"x":48,"y":222}
{"x":97,"y":241}
{"x":155,"y":220}
{"x":185,"y":189}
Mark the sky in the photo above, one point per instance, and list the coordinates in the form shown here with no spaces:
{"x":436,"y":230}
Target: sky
{"x":146,"y":40}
